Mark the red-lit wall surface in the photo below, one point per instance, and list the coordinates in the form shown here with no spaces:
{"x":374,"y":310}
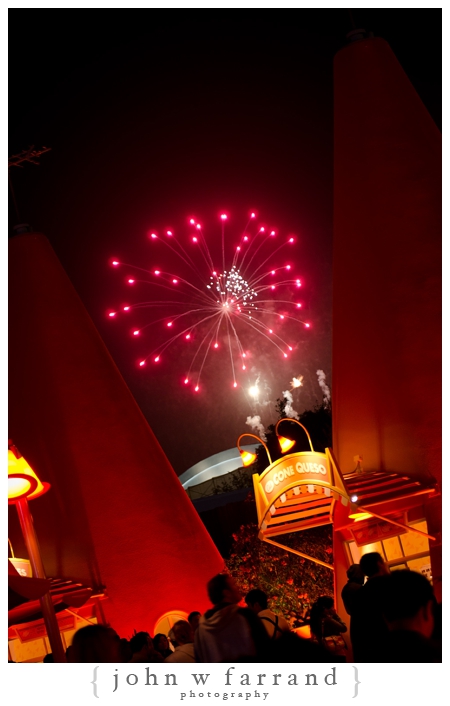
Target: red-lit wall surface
{"x":116,"y":514}
{"x":386,"y":270}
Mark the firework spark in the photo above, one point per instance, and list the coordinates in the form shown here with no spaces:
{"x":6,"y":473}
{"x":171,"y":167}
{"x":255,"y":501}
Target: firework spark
{"x":213,"y":306}
{"x":297,"y":382}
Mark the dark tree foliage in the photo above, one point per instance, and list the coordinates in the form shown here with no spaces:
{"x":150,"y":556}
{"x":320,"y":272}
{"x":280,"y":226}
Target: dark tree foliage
{"x":292,"y":583}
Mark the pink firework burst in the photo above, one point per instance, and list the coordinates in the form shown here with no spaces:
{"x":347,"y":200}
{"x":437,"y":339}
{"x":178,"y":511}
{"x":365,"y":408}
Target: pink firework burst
{"x":217,"y":302}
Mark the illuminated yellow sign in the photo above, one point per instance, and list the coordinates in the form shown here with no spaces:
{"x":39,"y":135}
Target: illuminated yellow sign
{"x":304,"y":466}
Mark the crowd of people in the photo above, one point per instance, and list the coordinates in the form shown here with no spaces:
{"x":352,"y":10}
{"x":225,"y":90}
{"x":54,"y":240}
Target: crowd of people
{"x":394,"y":617}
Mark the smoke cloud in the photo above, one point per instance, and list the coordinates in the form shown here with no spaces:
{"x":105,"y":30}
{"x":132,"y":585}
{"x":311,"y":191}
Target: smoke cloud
{"x":288,"y":408}
{"x":256,"y":424}
{"x":321,"y":377}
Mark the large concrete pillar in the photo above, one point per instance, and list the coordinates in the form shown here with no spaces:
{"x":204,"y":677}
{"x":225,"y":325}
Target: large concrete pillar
{"x":116,"y":515}
{"x":386,"y":271}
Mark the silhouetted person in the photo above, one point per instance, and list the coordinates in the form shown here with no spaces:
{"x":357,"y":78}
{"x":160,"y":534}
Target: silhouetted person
{"x":290,"y":647}
{"x":142,"y":649}
{"x":182,"y":638}
{"x":193,"y":619}
{"x":408,"y":606}
{"x":161,"y":644}
{"x":226,"y":632}
{"x":275,"y":624}
{"x":125,"y":650}
{"x":48,"y":658}
{"x":368,"y":627}
{"x":356,"y":578}
{"x":327,"y":627}
{"x":95,"y":643}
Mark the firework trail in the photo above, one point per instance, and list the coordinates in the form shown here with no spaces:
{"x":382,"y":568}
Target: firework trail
{"x":213,"y":305}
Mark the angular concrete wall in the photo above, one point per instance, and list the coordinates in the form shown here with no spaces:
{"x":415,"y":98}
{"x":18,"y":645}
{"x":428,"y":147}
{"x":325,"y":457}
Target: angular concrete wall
{"x":116,"y":515}
{"x":386,"y":267}
{"x":386,"y":270}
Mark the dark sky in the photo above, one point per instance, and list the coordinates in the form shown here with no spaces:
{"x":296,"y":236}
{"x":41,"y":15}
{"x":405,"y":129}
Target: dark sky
{"x":154,"y":115}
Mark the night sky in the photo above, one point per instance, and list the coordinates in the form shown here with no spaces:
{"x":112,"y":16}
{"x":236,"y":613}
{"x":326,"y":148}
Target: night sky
{"x":154,"y":116}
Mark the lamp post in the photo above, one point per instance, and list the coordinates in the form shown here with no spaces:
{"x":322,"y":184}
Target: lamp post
{"x":24,"y":485}
{"x":247,"y":456}
{"x":284,"y":441}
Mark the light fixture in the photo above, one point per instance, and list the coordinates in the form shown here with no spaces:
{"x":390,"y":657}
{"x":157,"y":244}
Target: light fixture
{"x":285,"y":442}
{"x":248,"y":457}
{"x":24,"y":485}
{"x":358,"y":516}
{"x":23,"y":482}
